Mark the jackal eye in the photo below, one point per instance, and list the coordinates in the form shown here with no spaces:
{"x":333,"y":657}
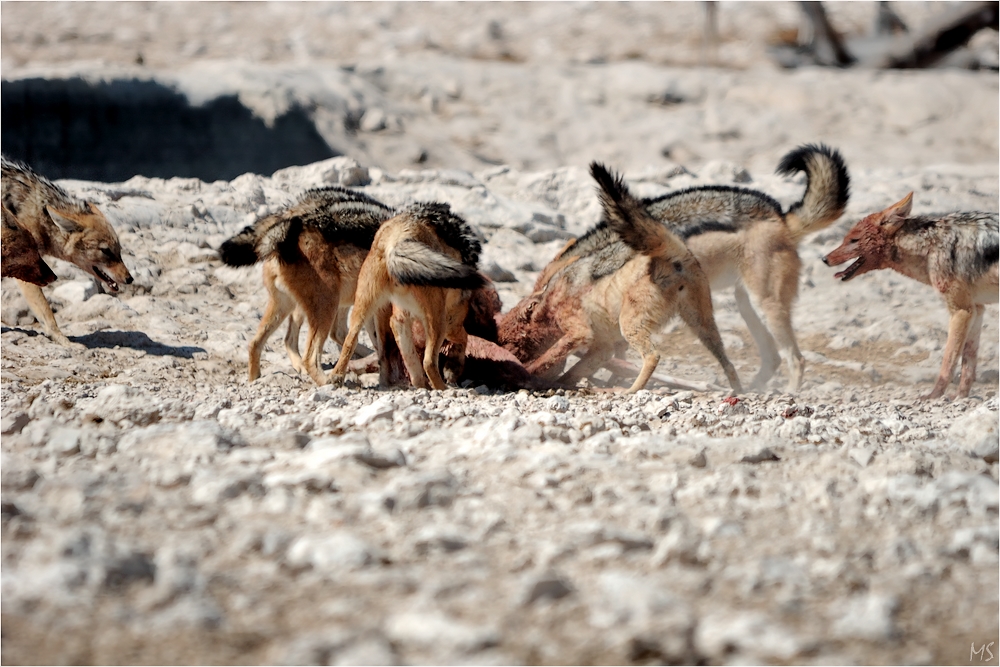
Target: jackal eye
{"x":854,"y":240}
{"x":109,"y":254}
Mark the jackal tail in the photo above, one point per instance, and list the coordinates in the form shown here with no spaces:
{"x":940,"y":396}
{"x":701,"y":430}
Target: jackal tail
{"x":260,"y":241}
{"x":827,"y":187}
{"x":627,"y":217}
{"x":411,"y":262}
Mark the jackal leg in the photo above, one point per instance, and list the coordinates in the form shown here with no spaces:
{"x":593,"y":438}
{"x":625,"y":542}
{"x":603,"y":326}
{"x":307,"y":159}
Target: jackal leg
{"x":279,"y":305}
{"x":43,"y":312}
{"x":292,"y":339}
{"x":551,"y":363}
{"x":770,"y":360}
{"x":695,"y":308}
{"x":434,"y":328}
{"x":958,"y":330}
{"x":371,"y":296}
{"x":638,"y":325}
{"x":773,"y":280}
{"x":970,"y":352}
{"x":402,"y":328}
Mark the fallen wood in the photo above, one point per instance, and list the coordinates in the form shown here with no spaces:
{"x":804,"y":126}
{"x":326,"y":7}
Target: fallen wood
{"x":946,"y":33}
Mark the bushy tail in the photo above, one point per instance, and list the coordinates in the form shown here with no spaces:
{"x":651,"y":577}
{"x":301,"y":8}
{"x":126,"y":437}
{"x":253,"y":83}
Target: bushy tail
{"x":414,"y":263}
{"x":628,"y":218}
{"x":259,"y":241}
{"x":827,"y":187}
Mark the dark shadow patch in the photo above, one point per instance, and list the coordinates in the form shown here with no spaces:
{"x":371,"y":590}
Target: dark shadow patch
{"x":113,"y":130}
{"x":27,"y":332}
{"x":136,"y":340}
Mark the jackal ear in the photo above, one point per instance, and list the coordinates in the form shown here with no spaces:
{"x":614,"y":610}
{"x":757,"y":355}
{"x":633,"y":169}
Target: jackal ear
{"x":67,"y":225}
{"x":903,"y":206}
{"x":894,"y":216}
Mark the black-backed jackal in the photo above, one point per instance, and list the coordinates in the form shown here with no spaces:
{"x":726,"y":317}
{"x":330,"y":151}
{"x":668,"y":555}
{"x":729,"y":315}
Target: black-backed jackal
{"x":742,"y":239}
{"x":620,"y":282}
{"x":63,"y":227}
{"x":423,"y":263}
{"x":312,"y":252}
{"x":955,"y":253}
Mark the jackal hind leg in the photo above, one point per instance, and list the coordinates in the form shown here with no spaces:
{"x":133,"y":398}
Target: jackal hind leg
{"x":402,"y":328}
{"x":279,"y":305}
{"x":292,"y":340}
{"x":970,"y":352}
{"x":770,"y":360}
{"x":695,"y":308}
{"x":43,"y":312}
{"x":772,"y":279}
{"x":366,"y":303}
{"x":434,"y":329}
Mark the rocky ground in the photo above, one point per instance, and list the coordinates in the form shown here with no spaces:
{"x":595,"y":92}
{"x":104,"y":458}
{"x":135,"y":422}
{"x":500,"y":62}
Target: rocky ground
{"x":157,"y":508}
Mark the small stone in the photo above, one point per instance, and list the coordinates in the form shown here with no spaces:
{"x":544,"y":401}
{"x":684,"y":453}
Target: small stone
{"x":373,"y":120}
{"x":699,"y":460}
{"x":558,"y":404}
{"x":381,"y":460}
{"x":498,"y":274}
{"x":751,"y":635}
{"x":445,"y":538}
{"x":870,"y":617}
{"x":547,"y":587}
{"x":862,"y":455}
{"x":977,"y":433}
{"x":64,"y":441}
{"x":762,"y":456}
{"x":74,"y":291}
{"x":14,"y":422}
{"x":20,"y":479}
{"x":380,"y":409}
{"x":430,"y":628}
{"x":330,"y":553}
{"x":128,"y":569}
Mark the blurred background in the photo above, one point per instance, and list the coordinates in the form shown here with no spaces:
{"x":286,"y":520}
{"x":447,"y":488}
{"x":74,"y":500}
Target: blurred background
{"x":108,"y":90}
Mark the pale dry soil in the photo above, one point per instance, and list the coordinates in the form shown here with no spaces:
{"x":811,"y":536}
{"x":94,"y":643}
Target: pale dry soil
{"x":156,"y":508}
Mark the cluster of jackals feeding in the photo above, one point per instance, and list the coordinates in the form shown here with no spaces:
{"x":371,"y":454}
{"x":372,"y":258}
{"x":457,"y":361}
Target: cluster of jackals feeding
{"x":410,"y":276}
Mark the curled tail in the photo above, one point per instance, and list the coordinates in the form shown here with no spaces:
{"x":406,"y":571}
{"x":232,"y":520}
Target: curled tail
{"x":628,"y":218}
{"x":269,"y":236}
{"x":411,"y":262}
{"x":827,"y":187}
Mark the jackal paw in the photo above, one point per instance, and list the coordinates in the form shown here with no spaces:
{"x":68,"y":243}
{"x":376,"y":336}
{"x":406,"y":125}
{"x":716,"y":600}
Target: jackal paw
{"x":335,"y":379}
{"x":60,"y":339}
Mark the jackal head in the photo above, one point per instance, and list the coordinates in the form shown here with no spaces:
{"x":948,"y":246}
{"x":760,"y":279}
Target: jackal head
{"x":870,"y":241}
{"x":91,"y":243}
